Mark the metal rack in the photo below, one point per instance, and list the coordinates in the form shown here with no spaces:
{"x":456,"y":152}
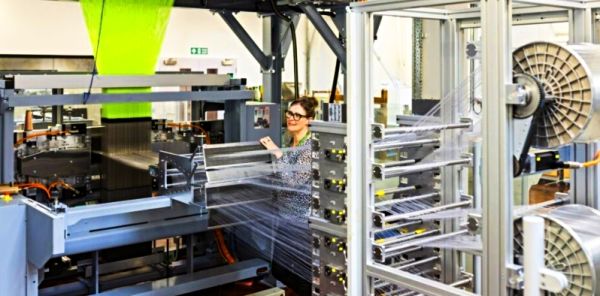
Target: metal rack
{"x":495,"y":18}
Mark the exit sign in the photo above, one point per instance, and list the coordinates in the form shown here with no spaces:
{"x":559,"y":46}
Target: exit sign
{"x":199,"y":50}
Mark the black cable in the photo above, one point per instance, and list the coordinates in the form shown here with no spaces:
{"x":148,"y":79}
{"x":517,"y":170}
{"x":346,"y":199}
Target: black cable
{"x":294,"y":45}
{"x":335,"y":81}
{"x":278,"y":13}
{"x":295,"y":55}
{"x":86,"y":95}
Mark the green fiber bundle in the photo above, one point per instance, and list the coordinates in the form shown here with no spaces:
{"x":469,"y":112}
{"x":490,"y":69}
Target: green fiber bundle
{"x":130,"y":41}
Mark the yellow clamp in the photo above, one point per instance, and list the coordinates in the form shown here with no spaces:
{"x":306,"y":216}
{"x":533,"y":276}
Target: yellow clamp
{"x":6,"y":198}
{"x":420,"y":230}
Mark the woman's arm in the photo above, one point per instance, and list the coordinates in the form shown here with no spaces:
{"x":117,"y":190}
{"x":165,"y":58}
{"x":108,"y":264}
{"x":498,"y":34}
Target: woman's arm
{"x":270,"y":145}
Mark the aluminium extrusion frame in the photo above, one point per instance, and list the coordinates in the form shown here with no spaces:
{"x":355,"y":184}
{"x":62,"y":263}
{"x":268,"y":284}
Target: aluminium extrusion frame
{"x":360,"y":31}
{"x":583,"y":21}
{"x":495,"y":17}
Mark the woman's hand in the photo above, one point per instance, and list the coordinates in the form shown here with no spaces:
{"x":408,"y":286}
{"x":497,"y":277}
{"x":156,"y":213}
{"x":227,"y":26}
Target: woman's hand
{"x":270,"y":145}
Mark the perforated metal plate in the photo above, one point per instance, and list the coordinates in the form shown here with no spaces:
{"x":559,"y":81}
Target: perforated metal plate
{"x":566,"y":81}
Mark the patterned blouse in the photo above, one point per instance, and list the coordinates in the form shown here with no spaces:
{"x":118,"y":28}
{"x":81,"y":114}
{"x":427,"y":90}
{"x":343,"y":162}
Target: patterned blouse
{"x":293,"y":169}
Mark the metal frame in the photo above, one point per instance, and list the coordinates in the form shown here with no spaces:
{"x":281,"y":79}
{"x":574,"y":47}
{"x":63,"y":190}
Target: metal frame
{"x":11,"y":96}
{"x":359,"y":41}
{"x":360,"y":31}
{"x":263,"y":60}
{"x":332,"y":41}
{"x":497,"y":146}
{"x":495,"y":19}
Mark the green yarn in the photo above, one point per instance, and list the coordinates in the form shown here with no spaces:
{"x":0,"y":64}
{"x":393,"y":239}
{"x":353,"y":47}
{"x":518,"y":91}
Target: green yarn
{"x":130,"y":42}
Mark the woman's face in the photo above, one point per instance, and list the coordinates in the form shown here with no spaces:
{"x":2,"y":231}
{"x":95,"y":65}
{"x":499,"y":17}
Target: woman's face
{"x":296,"y":118}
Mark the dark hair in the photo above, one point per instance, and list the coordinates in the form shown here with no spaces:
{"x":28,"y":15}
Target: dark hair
{"x":309,"y":104}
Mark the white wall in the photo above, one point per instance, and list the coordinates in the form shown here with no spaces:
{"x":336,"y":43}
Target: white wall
{"x":36,"y":27}
{"x":42,"y":27}
{"x":58,"y":28}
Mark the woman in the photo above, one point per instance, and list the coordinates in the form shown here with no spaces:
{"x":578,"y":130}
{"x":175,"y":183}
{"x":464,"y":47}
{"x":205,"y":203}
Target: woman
{"x":292,"y":253}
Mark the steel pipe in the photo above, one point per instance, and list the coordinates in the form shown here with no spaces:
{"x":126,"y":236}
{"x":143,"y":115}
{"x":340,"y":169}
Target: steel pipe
{"x":379,"y":218}
{"x":406,"y":199}
{"x":381,"y":172}
{"x":379,"y":132}
{"x":382,"y":146}
{"x":384,"y":252}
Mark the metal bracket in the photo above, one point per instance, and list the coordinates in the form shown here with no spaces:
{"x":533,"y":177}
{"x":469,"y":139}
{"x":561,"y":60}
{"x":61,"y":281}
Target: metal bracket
{"x":515,"y":276}
{"x":517,"y":94}
{"x":270,"y":69}
{"x":474,"y":221}
{"x":551,"y":280}
{"x":330,"y":38}
{"x":377,"y":131}
{"x":266,"y":62}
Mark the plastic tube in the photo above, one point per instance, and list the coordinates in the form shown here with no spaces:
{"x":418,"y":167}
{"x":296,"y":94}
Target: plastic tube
{"x":223,"y":247}
{"x":533,"y":235}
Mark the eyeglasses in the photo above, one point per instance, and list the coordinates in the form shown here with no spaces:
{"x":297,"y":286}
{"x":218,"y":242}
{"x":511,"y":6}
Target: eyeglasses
{"x":294,"y":115}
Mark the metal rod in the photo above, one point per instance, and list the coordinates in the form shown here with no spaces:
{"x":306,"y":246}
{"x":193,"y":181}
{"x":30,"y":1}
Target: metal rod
{"x":385,"y":173}
{"x":98,"y":98}
{"x":406,"y":237}
{"x":412,"y":281}
{"x":96,"y":273}
{"x":398,"y":163}
{"x":396,"y":226}
{"x":416,"y":214}
{"x":392,"y":251}
{"x":82,"y":81}
{"x":180,"y":184}
{"x":395,"y":190}
{"x":189,"y":246}
{"x":462,"y":283}
{"x":477,"y":203}
{"x":239,"y":203}
{"x":426,"y":128}
{"x":420,"y":262}
{"x":382,"y":284}
{"x":406,"y":199}
{"x":401,"y":263}
{"x":397,"y":145}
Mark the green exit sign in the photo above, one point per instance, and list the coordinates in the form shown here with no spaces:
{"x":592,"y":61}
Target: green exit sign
{"x":199,"y":50}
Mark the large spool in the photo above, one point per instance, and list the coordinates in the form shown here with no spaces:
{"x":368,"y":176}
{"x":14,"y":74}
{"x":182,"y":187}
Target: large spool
{"x":570,"y":79}
{"x":572,"y":246}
